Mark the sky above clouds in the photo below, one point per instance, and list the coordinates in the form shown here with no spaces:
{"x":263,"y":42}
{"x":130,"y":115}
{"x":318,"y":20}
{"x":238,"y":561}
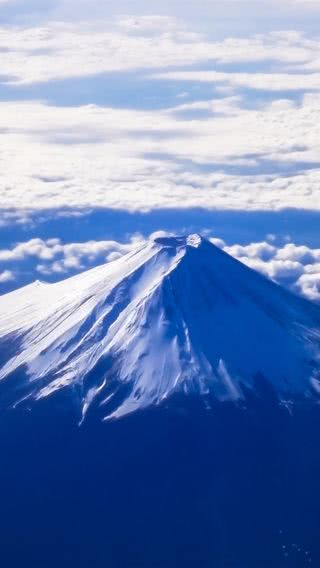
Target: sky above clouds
{"x":119,"y":119}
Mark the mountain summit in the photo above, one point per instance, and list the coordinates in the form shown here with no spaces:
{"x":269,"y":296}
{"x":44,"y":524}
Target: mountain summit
{"x":177,"y":315}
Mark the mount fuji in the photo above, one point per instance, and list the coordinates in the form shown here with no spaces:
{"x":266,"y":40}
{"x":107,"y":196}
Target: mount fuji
{"x":176,"y":316}
{"x":214,"y":371}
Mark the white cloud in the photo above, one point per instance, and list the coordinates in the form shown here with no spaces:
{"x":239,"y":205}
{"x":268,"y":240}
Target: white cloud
{"x":239,"y":157}
{"x":141,"y":160}
{"x":58,"y":51}
{"x":6,"y":276}
{"x":150,"y":23}
{"x":259,"y":81}
{"x":309,"y":284}
{"x":297,"y":267}
{"x":66,"y":51}
{"x":208,"y":13}
{"x":52,"y":256}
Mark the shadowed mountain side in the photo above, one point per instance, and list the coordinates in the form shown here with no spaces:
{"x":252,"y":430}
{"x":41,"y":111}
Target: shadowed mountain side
{"x":174,"y":487}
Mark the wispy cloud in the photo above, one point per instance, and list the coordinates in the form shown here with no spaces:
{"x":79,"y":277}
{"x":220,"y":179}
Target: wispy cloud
{"x":217,"y":12}
{"x":259,"y":81}
{"x":61,"y":50}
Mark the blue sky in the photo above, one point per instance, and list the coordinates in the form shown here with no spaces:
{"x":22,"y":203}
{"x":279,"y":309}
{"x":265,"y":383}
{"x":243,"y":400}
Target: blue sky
{"x":122,"y":119}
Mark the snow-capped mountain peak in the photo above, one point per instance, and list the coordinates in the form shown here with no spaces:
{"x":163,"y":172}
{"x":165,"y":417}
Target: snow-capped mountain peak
{"x":176,"y":315}
{"x":193,"y":240}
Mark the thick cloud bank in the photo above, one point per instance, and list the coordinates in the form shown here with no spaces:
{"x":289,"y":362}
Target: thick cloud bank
{"x":142,"y":113}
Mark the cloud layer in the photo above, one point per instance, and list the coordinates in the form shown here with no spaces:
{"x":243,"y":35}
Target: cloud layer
{"x":230,"y":124}
{"x":257,"y":159}
{"x":57,"y":51}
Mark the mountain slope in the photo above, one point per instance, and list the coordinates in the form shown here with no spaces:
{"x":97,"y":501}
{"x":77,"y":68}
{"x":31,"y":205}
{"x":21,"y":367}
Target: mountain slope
{"x":177,"y":315}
